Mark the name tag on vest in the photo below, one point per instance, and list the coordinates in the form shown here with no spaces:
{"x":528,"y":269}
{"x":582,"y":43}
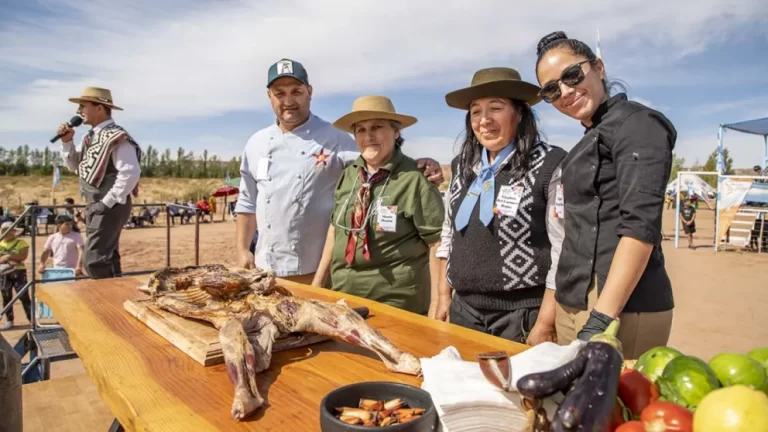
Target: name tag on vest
{"x":508,"y":200}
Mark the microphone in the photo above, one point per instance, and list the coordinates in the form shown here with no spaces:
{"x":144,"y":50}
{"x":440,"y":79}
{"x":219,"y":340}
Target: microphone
{"x":73,"y":122}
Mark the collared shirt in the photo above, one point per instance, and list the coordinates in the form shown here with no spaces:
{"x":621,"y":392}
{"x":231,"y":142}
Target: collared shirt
{"x":555,"y":226}
{"x":398,"y":270}
{"x":124,"y":159}
{"x":287,"y":180}
{"x":614,"y":182}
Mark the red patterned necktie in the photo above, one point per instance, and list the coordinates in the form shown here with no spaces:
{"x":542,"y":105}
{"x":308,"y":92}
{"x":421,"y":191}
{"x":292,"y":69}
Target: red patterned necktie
{"x":360,"y":212}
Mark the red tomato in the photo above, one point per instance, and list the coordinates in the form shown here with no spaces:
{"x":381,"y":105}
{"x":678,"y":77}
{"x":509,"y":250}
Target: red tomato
{"x":674,"y":417}
{"x":631,"y":426}
{"x":636,"y":390}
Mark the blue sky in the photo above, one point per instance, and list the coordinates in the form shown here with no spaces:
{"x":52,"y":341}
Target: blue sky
{"x":193,"y":73}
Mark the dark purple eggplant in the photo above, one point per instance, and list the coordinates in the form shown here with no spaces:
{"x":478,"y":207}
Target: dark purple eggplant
{"x":544,"y":384}
{"x":590,"y":405}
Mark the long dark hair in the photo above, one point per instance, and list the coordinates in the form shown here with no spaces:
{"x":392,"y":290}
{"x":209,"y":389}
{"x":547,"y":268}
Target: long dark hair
{"x":576,"y":47}
{"x":526,"y":138}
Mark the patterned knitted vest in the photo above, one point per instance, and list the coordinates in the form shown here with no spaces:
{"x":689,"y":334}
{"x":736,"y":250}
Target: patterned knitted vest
{"x":96,"y":154}
{"x":492,"y":267}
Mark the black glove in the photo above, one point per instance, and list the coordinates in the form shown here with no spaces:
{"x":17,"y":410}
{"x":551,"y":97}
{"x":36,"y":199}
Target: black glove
{"x":597,"y":323}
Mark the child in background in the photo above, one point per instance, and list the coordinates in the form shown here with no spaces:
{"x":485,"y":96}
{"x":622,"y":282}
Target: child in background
{"x":66,"y":247}
{"x":688,"y":217}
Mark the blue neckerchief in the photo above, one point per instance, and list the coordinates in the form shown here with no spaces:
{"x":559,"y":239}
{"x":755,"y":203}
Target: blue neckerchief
{"x":483,"y":187}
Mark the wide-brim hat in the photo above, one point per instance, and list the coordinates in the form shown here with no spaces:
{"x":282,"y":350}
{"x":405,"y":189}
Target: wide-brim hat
{"x":372,"y":108}
{"x":494,"y":82}
{"x":6,"y":226}
{"x":96,"y":95}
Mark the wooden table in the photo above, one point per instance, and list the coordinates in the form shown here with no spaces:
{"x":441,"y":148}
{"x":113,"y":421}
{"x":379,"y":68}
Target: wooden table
{"x":150,"y":385}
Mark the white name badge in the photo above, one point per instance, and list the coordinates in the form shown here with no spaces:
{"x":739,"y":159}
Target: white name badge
{"x":386,"y":219}
{"x":262,"y":169}
{"x":508,"y":200}
{"x":559,"y":203}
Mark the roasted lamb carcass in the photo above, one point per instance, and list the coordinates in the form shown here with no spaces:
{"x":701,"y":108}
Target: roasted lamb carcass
{"x":251,"y":311}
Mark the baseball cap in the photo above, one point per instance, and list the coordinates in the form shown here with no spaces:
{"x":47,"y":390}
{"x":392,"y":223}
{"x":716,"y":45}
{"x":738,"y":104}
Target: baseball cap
{"x":287,"y":68}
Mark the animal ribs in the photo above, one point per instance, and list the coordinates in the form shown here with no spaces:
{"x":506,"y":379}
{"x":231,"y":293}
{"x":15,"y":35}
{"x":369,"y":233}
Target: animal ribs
{"x":251,"y":312}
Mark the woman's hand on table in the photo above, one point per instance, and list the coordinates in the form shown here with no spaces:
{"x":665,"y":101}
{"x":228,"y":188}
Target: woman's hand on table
{"x":441,"y":308}
{"x":541,"y":333}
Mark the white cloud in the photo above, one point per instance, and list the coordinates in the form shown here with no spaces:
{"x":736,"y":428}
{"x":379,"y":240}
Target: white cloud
{"x":171,"y":59}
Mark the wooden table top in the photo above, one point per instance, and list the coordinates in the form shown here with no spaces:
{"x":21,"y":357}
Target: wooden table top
{"x":150,"y":385}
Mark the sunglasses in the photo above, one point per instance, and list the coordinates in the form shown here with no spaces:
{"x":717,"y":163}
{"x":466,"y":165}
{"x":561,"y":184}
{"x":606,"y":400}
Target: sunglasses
{"x":572,"y":75}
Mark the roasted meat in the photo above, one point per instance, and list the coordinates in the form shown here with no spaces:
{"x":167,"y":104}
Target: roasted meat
{"x":251,"y":311}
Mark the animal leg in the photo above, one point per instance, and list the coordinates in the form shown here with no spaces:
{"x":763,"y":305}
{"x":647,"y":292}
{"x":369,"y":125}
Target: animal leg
{"x":339,"y":321}
{"x":247,"y":348}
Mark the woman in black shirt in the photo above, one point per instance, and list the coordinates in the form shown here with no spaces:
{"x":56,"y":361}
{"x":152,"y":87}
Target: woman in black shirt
{"x":614,"y":182}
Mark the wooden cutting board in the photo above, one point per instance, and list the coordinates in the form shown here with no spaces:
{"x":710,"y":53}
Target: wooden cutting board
{"x":199,"y":339}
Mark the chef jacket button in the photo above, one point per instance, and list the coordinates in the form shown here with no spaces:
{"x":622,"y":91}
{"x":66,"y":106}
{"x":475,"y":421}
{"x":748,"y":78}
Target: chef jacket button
{"x":302,"y":152}
{"x":594,"y":229}
{"x":272,"y":249}
{"x":269,"y":178}
{"x":268,"y":200}
{"x":593,"y":167}
{"x":591,"y":261}
{"x":269,"y":225}
{"x":269,"y":156}
{"x":308,"y":131}
{"x":596,"y":197}
{"x":298,"y":175}
{"x":293,"y":247}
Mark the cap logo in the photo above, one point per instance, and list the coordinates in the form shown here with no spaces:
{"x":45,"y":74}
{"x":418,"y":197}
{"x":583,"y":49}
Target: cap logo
{"x":284,"y":67}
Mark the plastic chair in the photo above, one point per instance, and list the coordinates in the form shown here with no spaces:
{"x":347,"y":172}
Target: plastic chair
{"x":43,"y":311}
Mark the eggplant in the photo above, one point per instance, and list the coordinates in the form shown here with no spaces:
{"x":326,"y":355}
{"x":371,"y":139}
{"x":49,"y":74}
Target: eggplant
{"x":544,"y":384}
{"x":590,"y":405}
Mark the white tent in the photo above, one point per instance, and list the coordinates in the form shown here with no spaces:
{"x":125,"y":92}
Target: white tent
{"x":692,"y":184}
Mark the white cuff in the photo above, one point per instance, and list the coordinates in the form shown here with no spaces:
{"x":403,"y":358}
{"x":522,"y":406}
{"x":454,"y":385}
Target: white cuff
{"x":108,"y":200}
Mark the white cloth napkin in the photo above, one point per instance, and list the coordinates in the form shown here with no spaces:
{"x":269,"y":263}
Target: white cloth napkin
{"x":466,"y":401}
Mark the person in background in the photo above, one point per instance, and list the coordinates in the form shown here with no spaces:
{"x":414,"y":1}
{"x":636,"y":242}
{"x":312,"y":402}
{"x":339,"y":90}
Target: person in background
{"x":108,"y":169}
{"x":288,"y":174}
{"x":76,"y":215}
{"x":65,"y":247}
{"x":212,"y":204}
{"x":13,"y":273}
{"x":501,"y":236}
{"x":614,"y":179}
{"x":386,"y":220}
{"x":688,"y":219}
{"x":205,"y":209}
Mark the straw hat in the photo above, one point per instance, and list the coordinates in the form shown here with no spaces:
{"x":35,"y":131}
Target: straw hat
{"x":371,"y":108}
{"x":495,"y":81}
{"x":96,"y":95}
{"x":6,"y":226}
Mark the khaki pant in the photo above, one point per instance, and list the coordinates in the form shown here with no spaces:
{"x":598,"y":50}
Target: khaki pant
{"x":301,"y":279}
{"x":638,"y":332}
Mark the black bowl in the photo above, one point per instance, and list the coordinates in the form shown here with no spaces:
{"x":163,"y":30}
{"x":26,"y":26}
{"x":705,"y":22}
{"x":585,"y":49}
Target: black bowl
{"x":350,"y":395}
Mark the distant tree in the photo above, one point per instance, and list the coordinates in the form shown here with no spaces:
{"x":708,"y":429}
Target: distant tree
{"x":677,"y":166}
{"x":711,"y":165}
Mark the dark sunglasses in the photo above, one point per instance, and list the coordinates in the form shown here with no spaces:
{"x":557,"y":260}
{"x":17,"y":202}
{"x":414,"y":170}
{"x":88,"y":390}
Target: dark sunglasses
{"x":572,"y":75}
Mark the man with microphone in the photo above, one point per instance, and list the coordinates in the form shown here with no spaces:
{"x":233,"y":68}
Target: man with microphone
{"x":107,"y":165}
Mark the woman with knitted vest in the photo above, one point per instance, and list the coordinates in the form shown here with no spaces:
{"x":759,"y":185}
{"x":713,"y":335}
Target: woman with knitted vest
{"x":501,"y":236}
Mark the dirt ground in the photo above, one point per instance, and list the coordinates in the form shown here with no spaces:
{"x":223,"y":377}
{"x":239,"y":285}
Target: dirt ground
{"x":720,"y":297}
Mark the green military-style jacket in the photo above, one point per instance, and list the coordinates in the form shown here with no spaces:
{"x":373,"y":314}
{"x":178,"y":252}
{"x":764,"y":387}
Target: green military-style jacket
{"x":398,"y":271}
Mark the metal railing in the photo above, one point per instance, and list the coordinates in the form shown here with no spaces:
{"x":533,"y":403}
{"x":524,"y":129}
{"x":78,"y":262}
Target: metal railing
{"x":30,"y":214}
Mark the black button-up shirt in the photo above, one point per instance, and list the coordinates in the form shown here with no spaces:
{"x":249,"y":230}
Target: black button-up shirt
{"x":614,"y":182}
